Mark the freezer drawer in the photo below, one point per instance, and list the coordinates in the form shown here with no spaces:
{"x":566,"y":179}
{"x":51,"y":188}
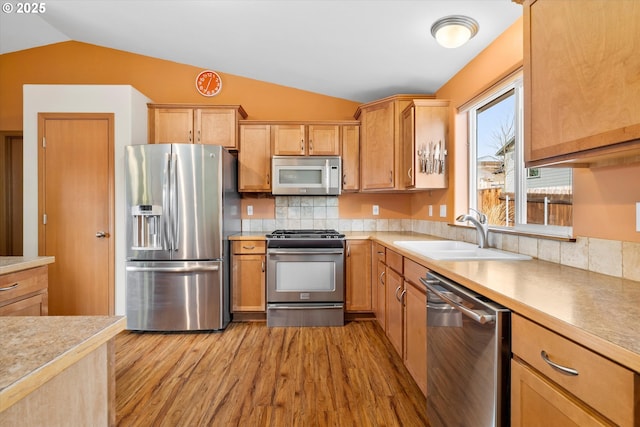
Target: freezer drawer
{"x":176,"y":296}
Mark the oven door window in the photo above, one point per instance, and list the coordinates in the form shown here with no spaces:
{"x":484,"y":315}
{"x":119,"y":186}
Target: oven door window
{"x":302,"y":276}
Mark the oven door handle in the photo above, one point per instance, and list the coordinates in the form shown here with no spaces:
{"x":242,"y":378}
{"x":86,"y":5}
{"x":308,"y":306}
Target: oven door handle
{"x":276,"y":252}
{"x":480,"y":318}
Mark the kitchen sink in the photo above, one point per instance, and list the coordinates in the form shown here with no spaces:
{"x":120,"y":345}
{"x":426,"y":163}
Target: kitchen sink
{"x":453,"y":250}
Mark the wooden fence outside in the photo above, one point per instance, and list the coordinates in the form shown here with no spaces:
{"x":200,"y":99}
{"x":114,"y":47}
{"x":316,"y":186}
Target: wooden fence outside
{"x":493,"y":202}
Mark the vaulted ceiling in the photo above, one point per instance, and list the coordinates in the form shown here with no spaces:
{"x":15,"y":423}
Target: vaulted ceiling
{"x":359,"y":50}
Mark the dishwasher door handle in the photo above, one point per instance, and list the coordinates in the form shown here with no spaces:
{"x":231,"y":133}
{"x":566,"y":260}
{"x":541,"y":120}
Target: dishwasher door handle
{"x":480,"y":318}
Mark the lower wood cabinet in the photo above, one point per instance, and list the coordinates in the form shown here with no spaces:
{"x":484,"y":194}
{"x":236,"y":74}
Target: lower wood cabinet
{"x":378,"y":284}
{"x":358,"y":276}
{"x":248,"y":292}
{"x":415,"y":323}
{"x":395,"y":309}
{"x":24,"y":293}
{"x":556,"y":382}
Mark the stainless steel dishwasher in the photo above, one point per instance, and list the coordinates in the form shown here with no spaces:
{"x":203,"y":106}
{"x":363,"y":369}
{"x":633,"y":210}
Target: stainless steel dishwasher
{"x":468,"y":351}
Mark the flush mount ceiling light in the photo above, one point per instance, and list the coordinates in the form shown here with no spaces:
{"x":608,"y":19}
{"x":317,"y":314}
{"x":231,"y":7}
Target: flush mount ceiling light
{"x":454,"y":31}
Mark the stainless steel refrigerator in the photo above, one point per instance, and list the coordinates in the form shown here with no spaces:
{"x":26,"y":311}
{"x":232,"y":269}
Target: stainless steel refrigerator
{"x":182,"y":204}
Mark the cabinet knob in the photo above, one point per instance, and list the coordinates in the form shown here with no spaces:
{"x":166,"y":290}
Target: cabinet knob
{"x":101,"y":234}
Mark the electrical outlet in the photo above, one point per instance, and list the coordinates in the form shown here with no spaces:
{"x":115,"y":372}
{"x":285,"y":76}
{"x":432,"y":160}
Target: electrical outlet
{"x":376,"y":210}
{"x":249,"y":210}
{"x":443,"y":211}
{"x":430,"y":210}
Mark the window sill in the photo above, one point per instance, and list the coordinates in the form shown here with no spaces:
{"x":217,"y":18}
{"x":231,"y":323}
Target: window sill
{"x":514,"y":232}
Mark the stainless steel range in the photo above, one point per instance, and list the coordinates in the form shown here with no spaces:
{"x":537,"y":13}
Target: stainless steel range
{"x":305,"y":278}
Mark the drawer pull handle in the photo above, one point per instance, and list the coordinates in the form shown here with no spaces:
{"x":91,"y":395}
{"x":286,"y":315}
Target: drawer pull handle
{"x":8,"y":288}
{"x":562,"y":369}
{"x":248,"y":247}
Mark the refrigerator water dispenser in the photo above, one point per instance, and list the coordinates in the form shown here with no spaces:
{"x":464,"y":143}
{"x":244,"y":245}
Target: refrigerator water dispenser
{"x":146,"y":227}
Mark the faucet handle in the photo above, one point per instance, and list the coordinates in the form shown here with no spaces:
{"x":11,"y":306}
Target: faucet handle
{"x":481,"y":217}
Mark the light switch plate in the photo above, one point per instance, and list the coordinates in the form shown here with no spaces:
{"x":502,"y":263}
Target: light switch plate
{"x":430,"y":210}
{"x":638,"y":216}
{"x":443,"y":211}
{"x":249,"y":210}
{"x":376,"y":210}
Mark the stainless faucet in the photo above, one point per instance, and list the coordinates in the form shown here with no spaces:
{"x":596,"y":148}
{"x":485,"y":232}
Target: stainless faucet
{"x":481,"y":225}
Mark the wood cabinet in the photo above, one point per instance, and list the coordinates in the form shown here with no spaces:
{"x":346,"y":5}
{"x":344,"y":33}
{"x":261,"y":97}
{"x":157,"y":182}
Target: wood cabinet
{"x":350,"y":152}
{"x":395,"y":294}
{"x":306,"y":140}
{"x":556,"y":382}
{"x":415,"y":323}
{"x":358,"y":276}
{"x":248,"y":291}
{"x":24,"y":293}
{"x":196,"y":124}
{"x":581,"y":81}
{"x":380,"y":142}
{"x":254,"y":158}
{"x":378,"y":284}
{"x":425,"y":138}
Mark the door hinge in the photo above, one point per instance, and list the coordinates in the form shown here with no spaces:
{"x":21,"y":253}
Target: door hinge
{"x":44,"y":219}
{"x":44,"y":142}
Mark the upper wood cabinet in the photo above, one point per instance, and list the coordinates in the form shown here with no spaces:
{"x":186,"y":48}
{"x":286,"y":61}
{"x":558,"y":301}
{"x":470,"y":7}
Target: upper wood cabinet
{"x":380,"y":142}
{"x":581,"y":80}
{"x":350,"y":152}
{"x":306,"y":140}
{"x":195,"y":124}
{"x":425,"y":138}
{"x":254,"y":158}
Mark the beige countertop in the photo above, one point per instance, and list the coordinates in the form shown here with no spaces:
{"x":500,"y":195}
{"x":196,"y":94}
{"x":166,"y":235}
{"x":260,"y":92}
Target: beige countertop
{"x":35,"y":349}
{"x":598,"y":311}
{"x":11,"y":264}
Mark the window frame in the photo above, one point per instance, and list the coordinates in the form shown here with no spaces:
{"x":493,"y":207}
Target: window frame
{"x":515,"y":84}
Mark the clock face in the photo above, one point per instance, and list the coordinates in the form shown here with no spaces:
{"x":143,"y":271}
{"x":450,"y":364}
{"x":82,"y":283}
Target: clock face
{"x":208,"y":83}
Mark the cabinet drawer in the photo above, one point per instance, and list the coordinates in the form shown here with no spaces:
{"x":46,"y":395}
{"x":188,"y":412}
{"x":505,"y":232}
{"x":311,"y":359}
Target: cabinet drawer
{"x":249,"y":246}
{"x":380,"y":252}
{"x":596,"y":379}
{"x":21,"y":283}
{"x":394,"y":260}
{"x":414,"y":271}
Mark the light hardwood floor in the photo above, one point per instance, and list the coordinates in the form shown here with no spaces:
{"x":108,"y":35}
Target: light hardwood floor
{"x":251,"y":375}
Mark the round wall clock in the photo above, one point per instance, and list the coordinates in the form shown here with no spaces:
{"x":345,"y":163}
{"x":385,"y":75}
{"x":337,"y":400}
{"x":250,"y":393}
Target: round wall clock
{"x":208,"y":83}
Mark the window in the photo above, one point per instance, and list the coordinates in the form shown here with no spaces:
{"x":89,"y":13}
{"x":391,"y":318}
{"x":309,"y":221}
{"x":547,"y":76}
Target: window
{"x":537,"y":200}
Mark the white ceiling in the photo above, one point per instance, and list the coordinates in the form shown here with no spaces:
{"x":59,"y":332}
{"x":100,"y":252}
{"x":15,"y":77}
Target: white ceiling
{"x":359,"y":50}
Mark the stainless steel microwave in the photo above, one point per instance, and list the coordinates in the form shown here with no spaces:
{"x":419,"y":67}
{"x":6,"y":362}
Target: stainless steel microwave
{"x":309,"y":175}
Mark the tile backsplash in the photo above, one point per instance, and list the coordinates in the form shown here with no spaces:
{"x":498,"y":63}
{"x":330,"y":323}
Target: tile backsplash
{"x":611,"y":257}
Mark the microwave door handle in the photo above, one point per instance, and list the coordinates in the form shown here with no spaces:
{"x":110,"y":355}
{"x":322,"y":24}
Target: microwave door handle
{"x":326,"y":175}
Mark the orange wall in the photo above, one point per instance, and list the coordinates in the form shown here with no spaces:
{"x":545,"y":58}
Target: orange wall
{"x":163,"y":81}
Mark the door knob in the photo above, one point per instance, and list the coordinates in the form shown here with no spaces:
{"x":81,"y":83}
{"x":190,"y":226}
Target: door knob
{"x":101,"y":234}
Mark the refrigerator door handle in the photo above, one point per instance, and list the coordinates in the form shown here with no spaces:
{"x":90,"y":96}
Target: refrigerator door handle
{"x":175,"y":230}
{"x":174,"y":269}
{"x":165,"y":226}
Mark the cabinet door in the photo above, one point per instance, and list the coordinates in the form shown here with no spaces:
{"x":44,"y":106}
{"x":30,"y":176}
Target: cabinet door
{"x":33,"y":306}
{"x":408,"y":147}
{"x":288,"y":140}
{"x":395,"y":309}
{"x":537,"y":402}
{"x":216,"y":127}
{"x":350,"y":158}
{"x":381,"y":294}
{"x":172,"y":125}
{"x":324,"y":140}
{"x":358,"y":288}
{"x":415,"y":342}
{"x":581,"y":76}
{"x":377,"y":148}
{"x":248,"y":283}
{"x":254,"y":158}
